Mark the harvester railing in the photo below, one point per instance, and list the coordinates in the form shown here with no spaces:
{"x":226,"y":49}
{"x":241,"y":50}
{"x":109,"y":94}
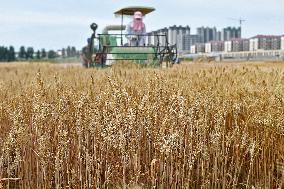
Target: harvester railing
{"x":155,"y":47}
{"x":157,"y":41}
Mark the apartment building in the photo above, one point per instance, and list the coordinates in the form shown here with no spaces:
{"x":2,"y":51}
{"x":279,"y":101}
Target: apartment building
{"x":193,"y":49}
{"x":208,"y":47}
{"x":231,"y":33}
{"x":240,"y":45}
{"x":253,"y":44}
{"x":276,"y":43}
{"x":214,"y":46}
{"x":175,"y":36}
{"x":228,"y":46}
{"x":246,"y":43}
{"x":207,"y":34}
{"x":217,"y":46}
{"x":265,"y":42}
{"x":180,"y":35}
{"x":176,"y":33}
{"x":200,"y":48}
{"x":282,"y":42}
{"x":190,"y":40}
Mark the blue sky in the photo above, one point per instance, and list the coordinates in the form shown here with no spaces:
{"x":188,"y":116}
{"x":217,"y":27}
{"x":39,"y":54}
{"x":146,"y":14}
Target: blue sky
{"x":53,"y":24}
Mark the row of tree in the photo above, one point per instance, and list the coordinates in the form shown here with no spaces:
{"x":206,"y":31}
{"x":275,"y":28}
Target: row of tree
{"x":30,"y":53}
{"x":69,"y":52}
{"x":8,"y":54}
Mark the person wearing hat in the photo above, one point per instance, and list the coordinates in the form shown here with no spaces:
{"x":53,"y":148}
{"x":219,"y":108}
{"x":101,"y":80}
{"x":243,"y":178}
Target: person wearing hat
{"x":135,"y":30}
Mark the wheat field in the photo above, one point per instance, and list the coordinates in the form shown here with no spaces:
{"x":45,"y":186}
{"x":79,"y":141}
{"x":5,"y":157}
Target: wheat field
{"x":191,"y":126}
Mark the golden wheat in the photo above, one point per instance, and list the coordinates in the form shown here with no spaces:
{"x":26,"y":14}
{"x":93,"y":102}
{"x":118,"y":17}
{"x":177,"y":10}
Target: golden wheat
{"x":191,"y":126}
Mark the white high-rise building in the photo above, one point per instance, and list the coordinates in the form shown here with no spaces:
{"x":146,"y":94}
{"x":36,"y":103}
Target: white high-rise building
{"x":193,"y":49}
{"x":282,"y":43}
{"x":228,"y":46}
{"x":208,"y":47}
{"x":253,"y":44}
{"x":175,"y":36}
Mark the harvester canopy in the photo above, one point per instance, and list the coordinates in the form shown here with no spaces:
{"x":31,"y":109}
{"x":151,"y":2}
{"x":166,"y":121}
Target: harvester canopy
{"x":129,"y":11}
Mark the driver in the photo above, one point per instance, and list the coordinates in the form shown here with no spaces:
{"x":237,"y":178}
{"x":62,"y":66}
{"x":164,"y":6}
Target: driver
{"x":135,"y":29}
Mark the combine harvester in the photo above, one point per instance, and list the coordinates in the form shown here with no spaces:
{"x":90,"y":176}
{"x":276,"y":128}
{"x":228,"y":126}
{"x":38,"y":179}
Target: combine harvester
{"x":113,"y":47}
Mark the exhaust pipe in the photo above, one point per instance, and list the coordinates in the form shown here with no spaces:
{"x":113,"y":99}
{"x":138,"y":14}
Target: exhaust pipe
{"x":113,"y":28}
{"x":94,"y":27}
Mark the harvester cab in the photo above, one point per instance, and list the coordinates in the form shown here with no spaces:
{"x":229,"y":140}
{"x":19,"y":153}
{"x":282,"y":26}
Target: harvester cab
{"x":112,"y":47}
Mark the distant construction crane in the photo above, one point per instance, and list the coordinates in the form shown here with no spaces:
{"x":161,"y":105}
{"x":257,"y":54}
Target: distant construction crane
{"x":240,"y":20}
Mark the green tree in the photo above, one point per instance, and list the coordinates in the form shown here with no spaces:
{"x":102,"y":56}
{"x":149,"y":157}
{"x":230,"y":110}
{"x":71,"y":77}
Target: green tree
{"x":77,"y":54}
{"x":63,"y":53}
{"x":73,"y":51}
{"x":6,"y":54}
{"x":68,"y":51}
{"x":11,"y":54}
{"x":38,"y":55}
{"x":51,"y":54}
{"x":22,"y":53}
{"x":30,"y":53}
{"x":2,"y":53}
{"x":43,"y":53}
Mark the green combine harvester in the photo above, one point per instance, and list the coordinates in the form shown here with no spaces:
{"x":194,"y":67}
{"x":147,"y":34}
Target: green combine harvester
{"x":113,"y":48}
